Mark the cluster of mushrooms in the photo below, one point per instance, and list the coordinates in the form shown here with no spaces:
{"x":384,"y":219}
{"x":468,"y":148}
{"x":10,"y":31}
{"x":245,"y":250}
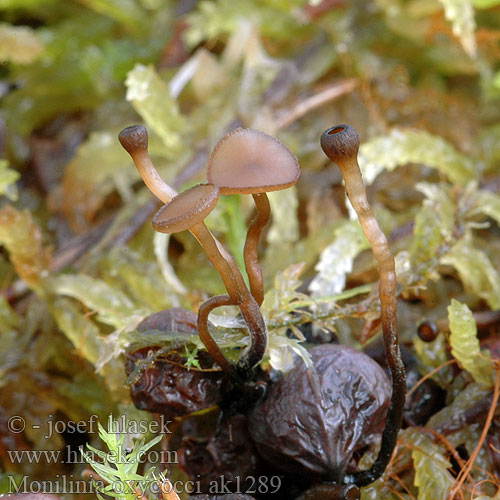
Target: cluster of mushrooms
{"x":289,"y":430}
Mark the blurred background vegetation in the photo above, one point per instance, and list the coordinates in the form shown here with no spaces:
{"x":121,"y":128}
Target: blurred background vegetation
{"x":80,"y":265}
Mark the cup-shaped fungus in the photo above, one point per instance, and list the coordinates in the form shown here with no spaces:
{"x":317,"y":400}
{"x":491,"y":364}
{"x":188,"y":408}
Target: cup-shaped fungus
{"x":187,"y":211}
{"x":246,"y":161}
{"x":341,"y":144}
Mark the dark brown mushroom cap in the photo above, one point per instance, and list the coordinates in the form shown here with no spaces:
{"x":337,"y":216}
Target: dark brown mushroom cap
{"x":246,"y":161}
{"x":186,"y":209}
{"x":340,"y":143}
{"x":134,"y":139}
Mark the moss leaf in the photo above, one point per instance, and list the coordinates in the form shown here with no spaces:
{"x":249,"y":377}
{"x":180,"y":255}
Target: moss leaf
{"x":211,"y":19}
{"x":151,"y":98}
{"x":465,"y":344}
{"x":88,"y":340}
{"x":23,"y":240}
{"x":9,"y":320}
{"x":140,"y":279}
{"x":113,"y":307}
{"x":431,"y":467}
{"x":126,"y":12}
{"x":91,"y":176}
{"x":461,"y":15}
{"x":451,"y":416}
{"x":160,"y":246}
{"x":400,"y":147}
{"x":285,"y":225}
{"x":432,"y":355}
{"x":282,"y":350}
{"x":336,"y":260}
{"x":489,"y":204}
{"x":475,"y":269}
{"x":485,"y":4}
{"x":7,"y":179}
{"x":434,"y":223}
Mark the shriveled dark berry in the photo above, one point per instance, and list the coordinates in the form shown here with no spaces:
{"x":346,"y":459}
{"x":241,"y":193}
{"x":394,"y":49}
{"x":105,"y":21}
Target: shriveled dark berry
{"x":230,"y":455}
{"x":314,"y":419}
{"x":168,"y":387}
{"x":163,"y":383}
{"x":173,"y":320}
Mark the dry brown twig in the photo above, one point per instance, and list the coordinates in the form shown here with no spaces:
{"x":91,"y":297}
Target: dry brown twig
{"x":329,"y":94}
{"x":462,"y":476}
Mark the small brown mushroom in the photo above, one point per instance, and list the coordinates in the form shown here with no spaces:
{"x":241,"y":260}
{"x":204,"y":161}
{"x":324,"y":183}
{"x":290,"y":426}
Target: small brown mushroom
{"x":341,"y":144}
{"x":246,"y":161}
{"x":187,"y":211}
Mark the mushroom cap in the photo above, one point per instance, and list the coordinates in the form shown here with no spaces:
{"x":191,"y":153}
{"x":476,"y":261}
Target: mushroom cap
{"x":186,"y":209}
{"x":134,"y":139}
{"x":340,"y":143}
{"x":246,"y":161}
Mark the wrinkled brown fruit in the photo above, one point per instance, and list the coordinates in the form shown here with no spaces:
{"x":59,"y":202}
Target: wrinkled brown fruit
{"x":313,"y":420}
{"x":169,"y":388}
{"x":230,"y":454}
{"x":166,"y":386}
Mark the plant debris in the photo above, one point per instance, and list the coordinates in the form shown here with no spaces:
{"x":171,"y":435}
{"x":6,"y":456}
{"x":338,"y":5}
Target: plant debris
{"x":89,"y":289}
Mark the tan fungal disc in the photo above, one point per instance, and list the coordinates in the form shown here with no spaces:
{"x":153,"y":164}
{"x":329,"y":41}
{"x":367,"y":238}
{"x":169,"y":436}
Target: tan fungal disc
{"x":248,"y":161}
{"x":186,"y":209}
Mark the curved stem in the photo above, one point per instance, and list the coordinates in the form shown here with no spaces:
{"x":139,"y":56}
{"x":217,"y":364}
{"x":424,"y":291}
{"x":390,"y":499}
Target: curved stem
{"x":239,"y":295}
{"x":341,"y":144}
{"x":254,"y":353}
{"x":152,"y":178}
{"x":206,"y":338}
{"x":387,"y":293}
{"x":255,"y":228}
{"x":223,"y":262}
{"x":135,"y":141}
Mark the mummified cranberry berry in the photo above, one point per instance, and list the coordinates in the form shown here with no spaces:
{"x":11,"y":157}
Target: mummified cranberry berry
{"x":164,"y":384}
{"x":314,"y":419}
{"x":229,"y":456}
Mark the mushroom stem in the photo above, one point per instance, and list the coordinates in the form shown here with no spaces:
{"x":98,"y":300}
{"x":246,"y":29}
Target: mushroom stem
{"x":206,"y":338}
{"x":254,"y":353}
{"x":341,"y":144}
{"x":223,"y":262}
{"x":135,"y":141}
{"x":255,"y":228}
{"x":238,"y":295}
